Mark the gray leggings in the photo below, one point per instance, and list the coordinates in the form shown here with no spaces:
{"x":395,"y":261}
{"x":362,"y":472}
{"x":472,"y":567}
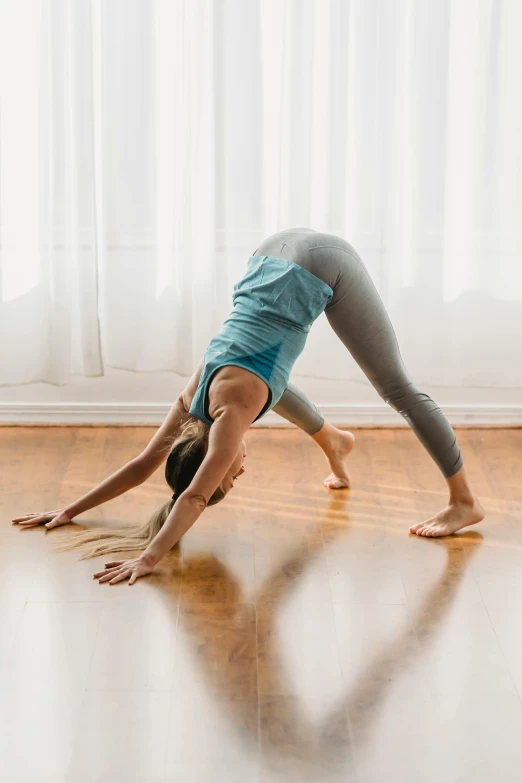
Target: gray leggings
{"x":357,"y":315}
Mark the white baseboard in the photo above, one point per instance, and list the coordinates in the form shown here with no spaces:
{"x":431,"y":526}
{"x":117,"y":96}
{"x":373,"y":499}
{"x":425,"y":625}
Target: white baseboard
{"x":136,"y":413}
{"x":384,"y":416}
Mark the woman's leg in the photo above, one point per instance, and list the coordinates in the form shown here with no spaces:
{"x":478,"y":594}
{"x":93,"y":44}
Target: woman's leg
{"x":294,"y":406}
{"x":359,"y":318}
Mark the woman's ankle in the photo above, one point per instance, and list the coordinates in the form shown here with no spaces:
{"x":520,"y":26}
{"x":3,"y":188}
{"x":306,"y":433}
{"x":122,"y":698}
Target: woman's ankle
{"x":459,"y":500}
{"x":325,"y":436}
{"x":460,"y":489}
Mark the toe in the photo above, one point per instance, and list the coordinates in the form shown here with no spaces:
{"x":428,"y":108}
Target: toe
{"x":335,"y":482}
{"x":415,"y":528}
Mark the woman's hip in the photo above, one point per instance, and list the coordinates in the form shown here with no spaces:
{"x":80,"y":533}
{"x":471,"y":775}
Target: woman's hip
{"x":327,"y":256}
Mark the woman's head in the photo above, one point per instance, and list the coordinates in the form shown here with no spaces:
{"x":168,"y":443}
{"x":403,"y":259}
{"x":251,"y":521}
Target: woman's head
{"x":186,"y":454}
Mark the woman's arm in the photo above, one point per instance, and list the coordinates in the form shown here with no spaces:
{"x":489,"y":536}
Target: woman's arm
{"x":159,"y":446}
{"x":224,"y":442}
{"x":130,"y":475}
{"x":143,"y":466}
{"x":135,"y":472}
{"x":125,"y":478}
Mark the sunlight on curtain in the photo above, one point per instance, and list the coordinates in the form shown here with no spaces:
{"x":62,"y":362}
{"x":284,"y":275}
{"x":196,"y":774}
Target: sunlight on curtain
{"x":169,"y":98}
{"x":320,"y":98}
{"x":504,"y":279}
{"x":272,"y":27}
{"x":405,"y":241}
{"x":186,"y":286}
{"x":469,"y":59}
{"x":20,"y":63}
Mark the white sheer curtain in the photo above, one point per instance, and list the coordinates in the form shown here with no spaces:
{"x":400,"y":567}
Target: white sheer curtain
{"x":146,"y":147}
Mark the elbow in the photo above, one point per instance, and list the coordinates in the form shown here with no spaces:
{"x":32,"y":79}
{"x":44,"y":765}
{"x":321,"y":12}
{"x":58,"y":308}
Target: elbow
{"x":196,"y":499}
{"x":183,"y":402}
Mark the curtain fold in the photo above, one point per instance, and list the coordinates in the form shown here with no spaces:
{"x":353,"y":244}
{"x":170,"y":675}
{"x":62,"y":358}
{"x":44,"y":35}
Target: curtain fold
{"x":148,"y":146}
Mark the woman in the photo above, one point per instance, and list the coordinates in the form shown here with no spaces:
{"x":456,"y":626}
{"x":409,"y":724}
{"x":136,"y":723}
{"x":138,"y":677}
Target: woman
{"x":291,"y":278}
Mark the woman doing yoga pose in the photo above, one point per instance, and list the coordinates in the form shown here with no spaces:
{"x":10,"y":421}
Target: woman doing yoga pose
{"x":291,"y":278}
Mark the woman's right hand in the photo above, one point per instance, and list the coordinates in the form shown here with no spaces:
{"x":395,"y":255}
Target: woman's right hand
{"x":49,"y":518}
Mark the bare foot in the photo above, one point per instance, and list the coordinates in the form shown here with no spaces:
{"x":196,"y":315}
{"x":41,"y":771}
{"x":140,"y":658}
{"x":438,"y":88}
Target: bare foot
{"x":452,"y":518}
{"x":336,"y":452}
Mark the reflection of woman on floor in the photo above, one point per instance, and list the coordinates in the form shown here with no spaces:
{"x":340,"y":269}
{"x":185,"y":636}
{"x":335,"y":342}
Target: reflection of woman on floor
{"x":287,"y":731}
{"x":292,"y":277}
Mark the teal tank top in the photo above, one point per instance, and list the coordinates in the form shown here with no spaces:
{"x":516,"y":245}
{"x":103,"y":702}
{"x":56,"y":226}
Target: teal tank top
{"x":275,"y":305}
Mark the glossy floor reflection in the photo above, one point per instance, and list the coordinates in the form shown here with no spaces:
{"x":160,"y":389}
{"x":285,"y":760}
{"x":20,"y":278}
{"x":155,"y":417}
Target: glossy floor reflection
{"x":295,"y":635}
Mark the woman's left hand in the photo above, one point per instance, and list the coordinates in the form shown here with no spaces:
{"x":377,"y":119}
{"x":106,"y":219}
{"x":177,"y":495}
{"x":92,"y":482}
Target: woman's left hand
{"x":117,"y":570}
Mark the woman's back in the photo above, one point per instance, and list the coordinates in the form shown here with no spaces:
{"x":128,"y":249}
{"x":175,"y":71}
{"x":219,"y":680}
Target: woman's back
{"x":275,"y":305}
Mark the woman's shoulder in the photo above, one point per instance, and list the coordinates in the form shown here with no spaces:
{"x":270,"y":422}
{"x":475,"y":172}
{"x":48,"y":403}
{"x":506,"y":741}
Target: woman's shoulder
{"x":236,"y":387}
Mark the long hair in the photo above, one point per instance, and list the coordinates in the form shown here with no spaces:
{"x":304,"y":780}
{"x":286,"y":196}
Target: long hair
{"x":187,"y":451}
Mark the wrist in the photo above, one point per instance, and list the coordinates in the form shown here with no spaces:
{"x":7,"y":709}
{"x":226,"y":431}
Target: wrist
{"x":71,"y":511}
{"x":149,"y":559}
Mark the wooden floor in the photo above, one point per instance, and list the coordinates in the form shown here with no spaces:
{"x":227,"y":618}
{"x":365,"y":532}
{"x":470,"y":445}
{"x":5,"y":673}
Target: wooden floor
{"x":296,"y":634}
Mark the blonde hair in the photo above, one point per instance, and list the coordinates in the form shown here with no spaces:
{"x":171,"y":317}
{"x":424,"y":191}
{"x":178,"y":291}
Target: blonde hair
{"x":186,"y":453}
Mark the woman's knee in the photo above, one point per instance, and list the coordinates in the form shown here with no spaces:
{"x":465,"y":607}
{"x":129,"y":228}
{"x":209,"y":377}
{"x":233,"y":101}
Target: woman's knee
{"x":405,"y":396}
